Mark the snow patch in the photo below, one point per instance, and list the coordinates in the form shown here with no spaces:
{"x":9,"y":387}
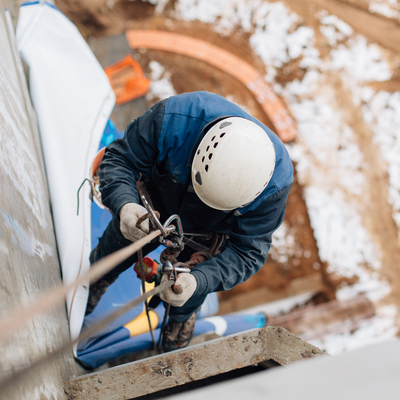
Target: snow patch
{"x":389,"y":10}
{"x":161,"y":86}
{"x":225,"y":14}
{"x":361,"y":61}
{"x":284,"y":245}
{"x":334,"y":29}
{"x":380,"y":328}
{"x":341,"y":238}
{"x":382,"y":112}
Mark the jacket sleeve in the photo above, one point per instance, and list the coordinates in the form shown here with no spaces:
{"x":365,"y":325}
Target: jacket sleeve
{"x":246,"y":252}
{"x":125,"y":159}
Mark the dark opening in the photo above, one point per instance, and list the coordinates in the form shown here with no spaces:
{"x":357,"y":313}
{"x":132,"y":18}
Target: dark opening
{"x":198,"y":178}
{"x":225,"y":124}
{"x":204,"y":382}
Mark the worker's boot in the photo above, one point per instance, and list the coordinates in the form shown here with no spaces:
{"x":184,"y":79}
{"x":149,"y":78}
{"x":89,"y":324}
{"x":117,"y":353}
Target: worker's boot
{"x":177,"y":335}
{"x":96,"y":291}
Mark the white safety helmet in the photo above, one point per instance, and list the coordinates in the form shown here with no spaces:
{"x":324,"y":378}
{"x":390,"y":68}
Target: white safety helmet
{"x":233,"y":164}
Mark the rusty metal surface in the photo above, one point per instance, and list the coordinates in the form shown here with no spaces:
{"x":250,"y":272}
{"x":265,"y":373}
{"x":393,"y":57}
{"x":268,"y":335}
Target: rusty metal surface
{"x":193,"y":363}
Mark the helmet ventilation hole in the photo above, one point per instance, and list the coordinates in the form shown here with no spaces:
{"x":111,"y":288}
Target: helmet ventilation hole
{"x":198,"y":178}
{"x":222,"y":134}
{"x":202,"y":160}
{"x":198,"y":151}
{"x":206,"y":168}
{"x":213,"y":138}
{"x":215,"y":144}
{"x":225,"y":124}
{"x":208,"y":147}
{"x":210,"y":156}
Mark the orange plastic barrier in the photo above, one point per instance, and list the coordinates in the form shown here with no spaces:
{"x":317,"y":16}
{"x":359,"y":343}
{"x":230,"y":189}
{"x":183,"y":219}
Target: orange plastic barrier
{"x":127,"y":80}
{"x":95,"y":179}
{"x":241,"y":70}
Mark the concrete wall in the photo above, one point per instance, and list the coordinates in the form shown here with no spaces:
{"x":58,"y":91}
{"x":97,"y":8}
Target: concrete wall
{"x":28,"y":254}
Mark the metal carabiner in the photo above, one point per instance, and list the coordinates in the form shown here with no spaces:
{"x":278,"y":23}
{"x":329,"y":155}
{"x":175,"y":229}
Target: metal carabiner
{"x":165,"y":230}
{"x":171,"y":270}
{"x":168,"y":267}
{"x":176,"y":229}
{"x":172,"y":225}
{"x":178,"y":226}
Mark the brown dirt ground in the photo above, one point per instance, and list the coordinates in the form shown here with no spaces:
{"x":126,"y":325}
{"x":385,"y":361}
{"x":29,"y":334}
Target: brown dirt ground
{"x":199,"y":75}
{"x":276,"y":275}
{"x":95,"y":18}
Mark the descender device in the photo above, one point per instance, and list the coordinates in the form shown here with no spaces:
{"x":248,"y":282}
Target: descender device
{"x":172,"y":238}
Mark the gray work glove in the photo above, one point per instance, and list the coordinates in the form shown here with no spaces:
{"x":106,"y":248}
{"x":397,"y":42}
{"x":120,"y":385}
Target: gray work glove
{"x":186,"y":283}
{"x":128,"y":216}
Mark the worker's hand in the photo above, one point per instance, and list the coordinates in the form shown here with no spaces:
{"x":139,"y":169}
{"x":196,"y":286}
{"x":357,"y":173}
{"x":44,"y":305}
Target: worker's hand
{"x":128,"y":216}
{"x":186,"y":283}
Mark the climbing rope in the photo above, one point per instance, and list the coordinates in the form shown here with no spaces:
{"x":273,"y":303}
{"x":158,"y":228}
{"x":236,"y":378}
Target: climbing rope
{"x":146,"y":304}
{"x":54,"y":297}
{"x":87,"y":333}
{"x":17,"y":318}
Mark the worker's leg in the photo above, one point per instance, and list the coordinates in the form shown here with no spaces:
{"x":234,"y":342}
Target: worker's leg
{"x":111,"y":241}
{"x":180,"y":327}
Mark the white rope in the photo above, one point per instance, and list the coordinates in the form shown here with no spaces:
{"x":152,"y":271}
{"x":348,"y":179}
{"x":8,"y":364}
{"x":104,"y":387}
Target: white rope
{"x":54,"y":297}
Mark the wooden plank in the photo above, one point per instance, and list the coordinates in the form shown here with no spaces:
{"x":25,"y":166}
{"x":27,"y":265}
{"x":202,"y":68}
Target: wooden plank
{"x":191,"y":364}
{"x":313,"y":322}
{"x":306,"y":284}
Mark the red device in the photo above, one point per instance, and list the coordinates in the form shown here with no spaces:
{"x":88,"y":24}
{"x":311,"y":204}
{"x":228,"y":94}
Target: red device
{"x":150,"y":269}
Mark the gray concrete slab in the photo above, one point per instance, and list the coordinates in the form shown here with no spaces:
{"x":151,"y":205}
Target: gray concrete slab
{"x":272,"y":344}
{"x":28,"y":254}
{"x":370,"y":373}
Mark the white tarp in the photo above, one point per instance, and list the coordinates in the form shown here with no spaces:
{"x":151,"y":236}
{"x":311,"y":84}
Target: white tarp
{"x":73,"y":100}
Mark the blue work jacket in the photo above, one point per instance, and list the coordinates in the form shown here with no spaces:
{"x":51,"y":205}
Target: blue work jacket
{"x":160,"y":146}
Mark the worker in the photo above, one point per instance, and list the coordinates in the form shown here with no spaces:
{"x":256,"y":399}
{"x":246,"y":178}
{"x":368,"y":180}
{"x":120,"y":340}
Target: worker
{"x":221,"y":170}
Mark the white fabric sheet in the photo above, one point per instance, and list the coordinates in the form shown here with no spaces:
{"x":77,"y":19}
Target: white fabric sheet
{"x":73,"y":100}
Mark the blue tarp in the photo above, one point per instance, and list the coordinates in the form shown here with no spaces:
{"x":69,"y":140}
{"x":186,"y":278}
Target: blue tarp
{"x":115,"y":340}
{"x":119,"y":343}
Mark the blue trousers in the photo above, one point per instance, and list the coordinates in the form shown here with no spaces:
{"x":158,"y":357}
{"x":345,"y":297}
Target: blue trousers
{"x":113,"y":240}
